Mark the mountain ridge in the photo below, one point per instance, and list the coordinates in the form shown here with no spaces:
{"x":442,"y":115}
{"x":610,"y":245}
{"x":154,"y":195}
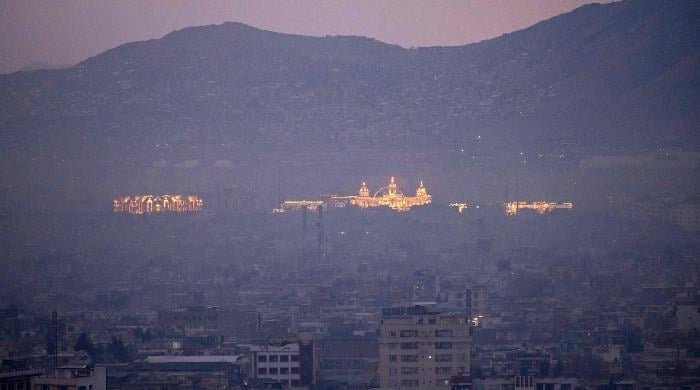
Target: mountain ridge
{"x":594,"y":76}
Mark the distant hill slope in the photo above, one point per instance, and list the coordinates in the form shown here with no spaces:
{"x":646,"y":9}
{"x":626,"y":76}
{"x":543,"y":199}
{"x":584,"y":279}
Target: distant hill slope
{"x":620,"y":74}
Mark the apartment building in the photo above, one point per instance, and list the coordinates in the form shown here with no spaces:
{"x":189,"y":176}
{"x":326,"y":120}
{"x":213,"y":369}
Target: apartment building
{"x":423,"y":348}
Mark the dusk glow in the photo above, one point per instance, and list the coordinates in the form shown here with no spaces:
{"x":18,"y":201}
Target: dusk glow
{"x":67,"y":32}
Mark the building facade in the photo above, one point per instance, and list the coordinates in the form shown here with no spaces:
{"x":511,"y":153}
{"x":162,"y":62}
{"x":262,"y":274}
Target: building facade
{"x":389,"y":196}
{"x":278,"y":361}
{"x":153,"y":204}
{"x":72,"y":378}
{"x":422,"y":348}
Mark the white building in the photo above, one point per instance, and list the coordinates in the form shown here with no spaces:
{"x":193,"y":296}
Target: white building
{"x":72,"y":378}
{"x":422,"y":349}
{"x":277,"y":361}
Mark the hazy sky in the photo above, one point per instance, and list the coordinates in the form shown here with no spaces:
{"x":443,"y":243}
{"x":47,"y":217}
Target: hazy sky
{"x":68,"y":31}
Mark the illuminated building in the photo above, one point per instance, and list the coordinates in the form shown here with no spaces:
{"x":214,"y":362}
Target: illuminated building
{"x":153,"y":204}
{"x":296,"y":205}
{"x":541,"y":207}
{"x":460,"y":206}
{"x":389,"y":196}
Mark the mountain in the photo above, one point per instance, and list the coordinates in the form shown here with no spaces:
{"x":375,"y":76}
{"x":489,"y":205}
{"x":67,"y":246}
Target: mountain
{"x":206,"y":108}
{"x":623,"y":74}
{"x":40,"y":66}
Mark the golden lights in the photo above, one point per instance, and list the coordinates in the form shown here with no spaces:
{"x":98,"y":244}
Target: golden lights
{"x":312,"y":205}
{"x":153,"y":204}
{"x":541,"y":207}
{"x":388,"y":196}
{"x":460,"y":206}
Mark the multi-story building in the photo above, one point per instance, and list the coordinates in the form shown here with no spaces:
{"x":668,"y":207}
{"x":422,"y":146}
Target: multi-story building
{"x":148,"y":204}
{"x":288,"y":362}
{"x":388,"y":196}
{"x":687,"y":216}
{"x":423,"y":348}
{"x":18,"y":378}
{"x":211,"y":320}
{"x":72,"y":378}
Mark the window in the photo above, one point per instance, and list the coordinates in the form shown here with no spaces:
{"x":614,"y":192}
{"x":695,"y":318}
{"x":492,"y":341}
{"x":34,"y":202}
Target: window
{"x":443,"y":345}
{"x":393,"y":345}
{"x":408,"y":333}
{"x":409,"y":382}
{"x":409,"y":370}
{"x":295,"y":382}
{"x":393,"y":358}
{"x":461,"y":357}
{"x":262,"y":358}
{"x":431,"y":321}
{"x":273,"y":370}
{"x":262,"y":371}
{"x":295,"y":370}
{"x":409,"y":358}
{"x":409,"y":345}
{"x":284,"y":370}
{"x":443,"y":357}
{"x":295,"y":358}
{"x":443,"y":370}
{"x":273,"y":358}
{"x":284,"y":358}
{"x":393,"y":371}
{"x":392,"y":333}
{"x":444,"y":333}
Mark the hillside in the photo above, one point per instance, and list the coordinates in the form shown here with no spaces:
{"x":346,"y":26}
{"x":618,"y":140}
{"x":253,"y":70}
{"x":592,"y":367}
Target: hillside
{"x":618,"y":74}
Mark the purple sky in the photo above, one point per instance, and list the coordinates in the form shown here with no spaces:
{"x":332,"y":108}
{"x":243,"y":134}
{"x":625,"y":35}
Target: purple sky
{"x":68,"y":31}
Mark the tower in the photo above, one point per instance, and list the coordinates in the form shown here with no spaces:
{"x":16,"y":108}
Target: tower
{"x":364,"y":191}
{"x":304,"y":213}
{"x":321,"y":236}
{"x":393,"y":187}
{"x":53,"y":341}
{"x":421,"y":191}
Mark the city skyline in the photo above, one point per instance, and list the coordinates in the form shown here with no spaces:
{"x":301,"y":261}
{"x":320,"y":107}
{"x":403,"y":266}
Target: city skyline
{"x":235,"y":206}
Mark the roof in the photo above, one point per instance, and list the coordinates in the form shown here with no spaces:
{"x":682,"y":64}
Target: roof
{"x":192,"y":359}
